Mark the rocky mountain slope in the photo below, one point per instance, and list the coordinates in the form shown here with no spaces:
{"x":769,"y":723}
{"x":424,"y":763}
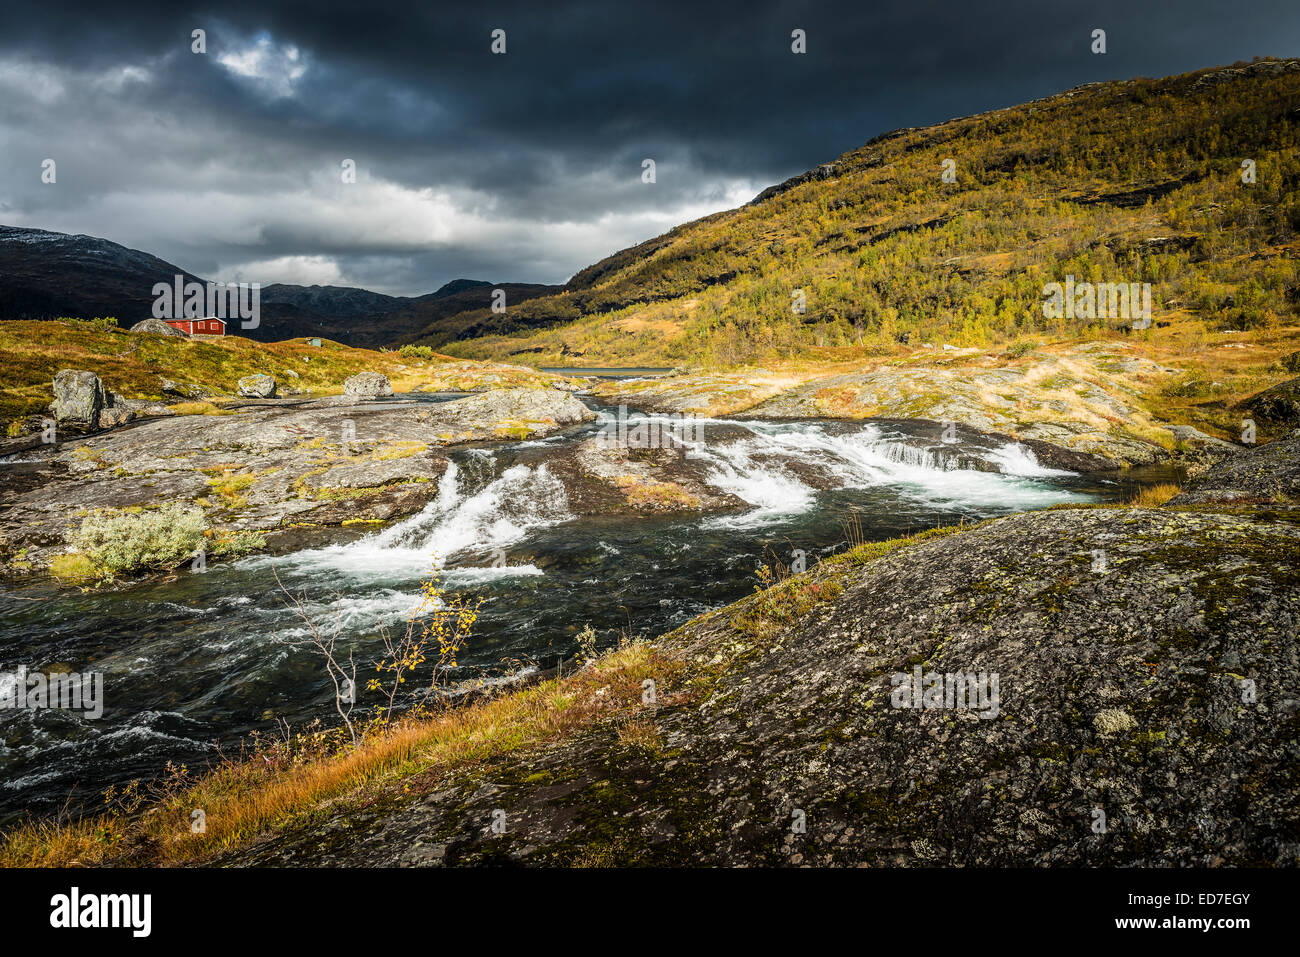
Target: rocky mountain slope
{"x":949,"y":234}
{"x":46,"y":274}
{"x":362,"y":317}
{"x":1145,"y":713}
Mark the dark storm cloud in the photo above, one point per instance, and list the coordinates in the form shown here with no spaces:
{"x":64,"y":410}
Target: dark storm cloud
{"x":524,"y":166}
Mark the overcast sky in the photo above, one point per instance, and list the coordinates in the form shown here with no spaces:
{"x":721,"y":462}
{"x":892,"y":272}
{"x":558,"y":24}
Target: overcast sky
{"x":525,"y":166}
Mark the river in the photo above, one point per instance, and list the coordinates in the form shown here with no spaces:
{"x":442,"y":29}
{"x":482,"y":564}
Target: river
{"x":198,"y":660}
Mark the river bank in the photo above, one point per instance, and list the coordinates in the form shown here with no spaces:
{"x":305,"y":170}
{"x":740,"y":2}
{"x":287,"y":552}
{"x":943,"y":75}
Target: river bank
{"x":542,"y":502}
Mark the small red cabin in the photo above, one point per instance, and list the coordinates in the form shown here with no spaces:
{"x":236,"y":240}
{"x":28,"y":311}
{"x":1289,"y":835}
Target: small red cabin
{"x":207,"y":326}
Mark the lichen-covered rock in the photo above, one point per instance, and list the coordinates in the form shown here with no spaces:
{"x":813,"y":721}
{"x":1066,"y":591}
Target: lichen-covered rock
{"x":157,"y":327}
{"x":1268,"y":475}
{"x":523,"y":406}
{"x":367,"y":385}
{"x":78,"y":398}
{"x":113,"y":416}
{"x":372,"y":474}
{"x":1279,"y":404}
{"x":1195,"y":439}
{"x":258,"y":386}
{"x":645,"y":480}
{"x":119,"y":410}
{"x":318,"y":462}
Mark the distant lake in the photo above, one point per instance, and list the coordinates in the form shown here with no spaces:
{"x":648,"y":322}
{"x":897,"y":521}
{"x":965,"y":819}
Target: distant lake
{"x":608,"y":373}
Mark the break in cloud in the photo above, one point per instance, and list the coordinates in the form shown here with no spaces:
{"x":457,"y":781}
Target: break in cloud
{"x":522,"y":167}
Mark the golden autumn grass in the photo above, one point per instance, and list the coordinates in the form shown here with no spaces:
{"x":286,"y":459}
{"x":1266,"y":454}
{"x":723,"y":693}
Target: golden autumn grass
{"x":640,"y":492}
{"x":243,"y":798}
{"x":134,"y":365}
{"x":1153,"y":496}
{"x":199,"y":408}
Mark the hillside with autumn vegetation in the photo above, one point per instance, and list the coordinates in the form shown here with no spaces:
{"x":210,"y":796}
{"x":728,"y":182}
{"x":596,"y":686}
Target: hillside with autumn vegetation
{"x":1138,"y":181}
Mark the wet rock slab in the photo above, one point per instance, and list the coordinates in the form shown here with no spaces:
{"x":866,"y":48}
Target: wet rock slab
{"x":297,"y":461}
{"x":1084,"y":403}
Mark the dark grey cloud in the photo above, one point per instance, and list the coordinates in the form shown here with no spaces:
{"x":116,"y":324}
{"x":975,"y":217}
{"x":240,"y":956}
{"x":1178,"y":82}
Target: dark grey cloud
{"x":524,"y":166}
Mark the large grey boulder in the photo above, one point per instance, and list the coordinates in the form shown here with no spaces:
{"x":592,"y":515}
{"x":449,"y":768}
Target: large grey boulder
{"x":258,"y":386}
{"x":78,"y":398}
{"x":519,"y":406}
{"x":367,"y":385}
{"x":1280,"y":404}
{"x":157,"y":327}
{"x":1267,"y":476}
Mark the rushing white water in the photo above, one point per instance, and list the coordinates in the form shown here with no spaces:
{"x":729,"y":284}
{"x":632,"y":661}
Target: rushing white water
{"x":469,"y":531}
{"x":771,"y":488}
{"x":1016,"y":459}
{"x":778,"y":468}
{"x":769,"y":469}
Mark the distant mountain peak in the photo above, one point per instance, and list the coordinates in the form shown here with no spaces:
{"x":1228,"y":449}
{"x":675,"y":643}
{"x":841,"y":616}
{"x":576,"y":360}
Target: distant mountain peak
{"x":458,"y":285}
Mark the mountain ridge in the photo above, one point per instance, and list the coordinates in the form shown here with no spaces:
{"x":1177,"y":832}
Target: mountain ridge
{"x":45,"y":274}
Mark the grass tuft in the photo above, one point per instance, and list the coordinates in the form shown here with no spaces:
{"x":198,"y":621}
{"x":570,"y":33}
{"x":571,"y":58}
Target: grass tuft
{"x":1153,"y":496}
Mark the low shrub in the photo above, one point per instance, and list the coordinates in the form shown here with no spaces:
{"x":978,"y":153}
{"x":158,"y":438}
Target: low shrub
{"x":231,"y":544}
{"x":120,"y":541}
{"x":417,"y":352}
